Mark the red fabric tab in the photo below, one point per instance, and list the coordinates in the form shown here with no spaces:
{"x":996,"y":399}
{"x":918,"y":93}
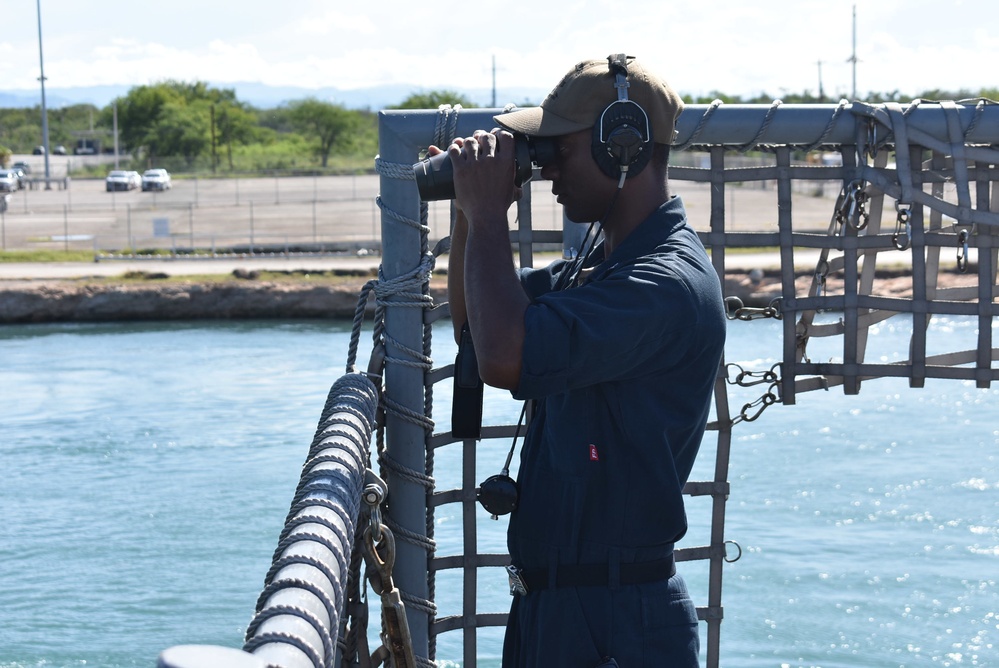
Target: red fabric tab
{"x":594,"y":455}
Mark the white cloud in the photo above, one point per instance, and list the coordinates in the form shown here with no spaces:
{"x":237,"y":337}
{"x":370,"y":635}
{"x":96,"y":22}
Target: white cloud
{"x":334,"y":23}
{"x":726,"y":45}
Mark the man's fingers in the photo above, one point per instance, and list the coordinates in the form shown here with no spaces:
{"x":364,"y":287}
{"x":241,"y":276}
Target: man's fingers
{"x":487,"y":141}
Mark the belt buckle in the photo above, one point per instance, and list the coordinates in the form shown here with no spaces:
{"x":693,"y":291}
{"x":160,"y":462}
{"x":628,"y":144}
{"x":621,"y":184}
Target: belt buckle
{"x":517,"y":585}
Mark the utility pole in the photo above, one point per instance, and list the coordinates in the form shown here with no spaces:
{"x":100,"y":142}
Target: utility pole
{"x":853,"y":57}
{"x":822,"y":94}
{"x":494,"y":81}
{"x":215,"y":158}
{"x":114,"y":119}
{"x":45,"y":113}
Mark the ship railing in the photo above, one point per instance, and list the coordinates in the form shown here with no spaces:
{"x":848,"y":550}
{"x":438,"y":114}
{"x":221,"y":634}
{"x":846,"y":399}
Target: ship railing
{"x":911,"y":180}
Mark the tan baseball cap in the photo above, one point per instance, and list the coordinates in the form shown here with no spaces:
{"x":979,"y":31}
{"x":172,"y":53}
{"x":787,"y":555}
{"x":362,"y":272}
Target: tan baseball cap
{"x":585,"y":91}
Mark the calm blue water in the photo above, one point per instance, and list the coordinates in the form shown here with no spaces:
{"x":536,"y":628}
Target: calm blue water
{"x":147,"y":470}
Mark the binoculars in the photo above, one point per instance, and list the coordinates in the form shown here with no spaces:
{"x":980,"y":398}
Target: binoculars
{"x":435,"y":175}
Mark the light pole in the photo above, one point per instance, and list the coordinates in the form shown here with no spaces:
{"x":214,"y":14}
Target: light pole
{"x":45,"y":113}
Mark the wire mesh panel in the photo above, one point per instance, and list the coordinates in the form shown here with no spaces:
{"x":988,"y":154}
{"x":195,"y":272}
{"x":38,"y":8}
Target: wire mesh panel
{"x":838,"y":193}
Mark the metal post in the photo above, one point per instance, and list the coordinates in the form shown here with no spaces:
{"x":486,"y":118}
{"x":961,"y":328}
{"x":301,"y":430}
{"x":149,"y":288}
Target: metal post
{"x":190,"y":221}
{"x":405,"y":441}
{"x":251,"y":227}
{"x":315,"y":233}
{"x":65,"y":228}
{"x":128,"y":227}
{"x":3,"y":228}
{"x":195,"y":191}
{"x":277,"y":195}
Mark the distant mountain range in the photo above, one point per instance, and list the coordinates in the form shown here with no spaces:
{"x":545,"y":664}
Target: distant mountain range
{"x":268,"y":97}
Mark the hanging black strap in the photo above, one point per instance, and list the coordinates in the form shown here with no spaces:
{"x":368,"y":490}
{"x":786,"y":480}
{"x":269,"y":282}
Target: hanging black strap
{"x":466,"y":405}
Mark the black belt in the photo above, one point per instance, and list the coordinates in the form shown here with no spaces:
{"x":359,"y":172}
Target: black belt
{"x":523,"y":580}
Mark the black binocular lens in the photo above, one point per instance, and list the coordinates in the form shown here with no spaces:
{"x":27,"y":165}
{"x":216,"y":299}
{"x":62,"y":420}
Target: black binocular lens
{"x":435,"y":175}
{"x":498,"y":495}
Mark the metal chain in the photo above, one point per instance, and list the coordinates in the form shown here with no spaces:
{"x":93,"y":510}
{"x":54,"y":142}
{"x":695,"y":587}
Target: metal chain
{"x":378,"y":550}
{"x":734,"y":310}
{"x":743,"y":378}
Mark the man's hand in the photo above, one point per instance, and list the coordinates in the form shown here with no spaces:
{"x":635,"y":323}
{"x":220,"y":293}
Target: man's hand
{"x":483,"y":285}
{"x":483,"y":174}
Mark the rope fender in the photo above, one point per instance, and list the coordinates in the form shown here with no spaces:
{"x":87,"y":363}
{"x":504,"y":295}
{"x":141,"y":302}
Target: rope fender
{"x":298,"y":612}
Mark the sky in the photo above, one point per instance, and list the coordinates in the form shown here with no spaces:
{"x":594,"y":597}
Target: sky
{"x":738,"y":47}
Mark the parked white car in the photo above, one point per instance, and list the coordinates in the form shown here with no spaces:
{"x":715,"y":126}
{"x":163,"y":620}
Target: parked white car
{"x":156,"y":179}
{"x":10,"y":181}
{"x":119,"y":179}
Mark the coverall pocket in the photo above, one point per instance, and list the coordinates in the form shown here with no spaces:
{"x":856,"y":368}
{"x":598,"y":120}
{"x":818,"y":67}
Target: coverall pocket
{"x":670,"y":621}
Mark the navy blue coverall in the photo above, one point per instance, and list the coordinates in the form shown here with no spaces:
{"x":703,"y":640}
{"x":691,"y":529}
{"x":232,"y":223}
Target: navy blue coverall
{"x":621,"y":369}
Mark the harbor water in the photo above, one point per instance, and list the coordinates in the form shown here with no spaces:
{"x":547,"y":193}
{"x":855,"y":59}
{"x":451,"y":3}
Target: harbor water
{"x":148,"y":468}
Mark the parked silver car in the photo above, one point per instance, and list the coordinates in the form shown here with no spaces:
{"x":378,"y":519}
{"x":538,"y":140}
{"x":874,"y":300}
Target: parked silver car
{"x":120,"y":179}
{"x":10,"y":181}
{"x":156,"y":179}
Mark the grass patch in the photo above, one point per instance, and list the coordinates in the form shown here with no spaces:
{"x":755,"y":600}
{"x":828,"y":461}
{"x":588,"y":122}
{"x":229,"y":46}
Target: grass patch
{"x":47,"y":256}
{"x":241,"y":276}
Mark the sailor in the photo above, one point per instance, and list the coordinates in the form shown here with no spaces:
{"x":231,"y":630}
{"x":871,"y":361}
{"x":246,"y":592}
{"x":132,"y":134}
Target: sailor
{"x":617,"y":351}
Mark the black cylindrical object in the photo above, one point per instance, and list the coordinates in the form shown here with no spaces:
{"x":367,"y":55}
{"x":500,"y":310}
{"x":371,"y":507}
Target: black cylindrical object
{"x":435,"y":175}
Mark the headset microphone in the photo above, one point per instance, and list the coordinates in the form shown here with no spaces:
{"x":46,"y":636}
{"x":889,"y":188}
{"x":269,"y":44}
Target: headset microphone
{"x":499,"y":494}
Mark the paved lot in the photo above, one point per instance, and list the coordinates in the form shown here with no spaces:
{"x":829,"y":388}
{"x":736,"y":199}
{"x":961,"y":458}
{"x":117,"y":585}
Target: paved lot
{"x":298,"y":210}
{"x":279,"y":213}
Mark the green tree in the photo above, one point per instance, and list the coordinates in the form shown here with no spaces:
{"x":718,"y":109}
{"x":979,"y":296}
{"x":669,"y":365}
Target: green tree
{"x":167,"y":118}
{"x":138,"y":113}
{"x":434,"y":99}
{"x":183,"y":129}
{"x":329,"y":123}
{"x":233,"y":124}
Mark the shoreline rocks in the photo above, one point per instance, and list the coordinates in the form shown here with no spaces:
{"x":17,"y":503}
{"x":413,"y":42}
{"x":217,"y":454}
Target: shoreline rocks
{"x":246,"y":296}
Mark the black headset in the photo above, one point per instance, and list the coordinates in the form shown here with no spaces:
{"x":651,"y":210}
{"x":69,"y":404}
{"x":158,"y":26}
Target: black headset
{"x":622,"y":137}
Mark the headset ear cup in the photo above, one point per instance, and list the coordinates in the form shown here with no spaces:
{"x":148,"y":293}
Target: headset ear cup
{"x":602,"y":156}
{"x":622,"y":137}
